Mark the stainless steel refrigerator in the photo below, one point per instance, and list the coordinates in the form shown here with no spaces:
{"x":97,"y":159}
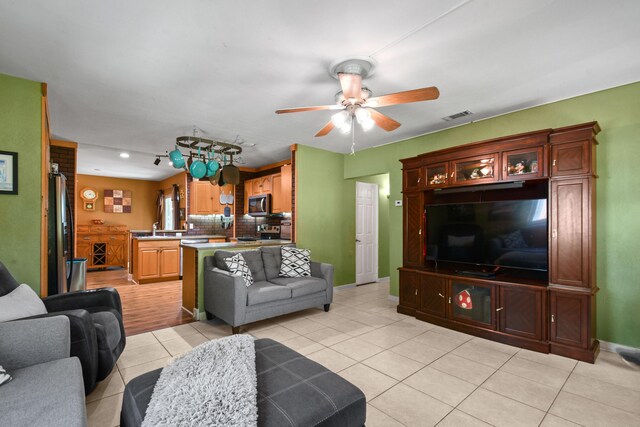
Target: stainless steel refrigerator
{"x":60,"y":235}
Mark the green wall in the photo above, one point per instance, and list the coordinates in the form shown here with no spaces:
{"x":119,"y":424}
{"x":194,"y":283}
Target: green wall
{"x":618,"y":206}
{"x":20,"y":131}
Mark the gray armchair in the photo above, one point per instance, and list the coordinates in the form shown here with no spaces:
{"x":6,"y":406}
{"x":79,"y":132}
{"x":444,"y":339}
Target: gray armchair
{"x":47,"y":386}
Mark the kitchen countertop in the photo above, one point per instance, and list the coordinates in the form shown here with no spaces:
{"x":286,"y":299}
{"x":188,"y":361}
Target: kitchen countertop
{"x":239,"y":244}
{"x":183,"y":237}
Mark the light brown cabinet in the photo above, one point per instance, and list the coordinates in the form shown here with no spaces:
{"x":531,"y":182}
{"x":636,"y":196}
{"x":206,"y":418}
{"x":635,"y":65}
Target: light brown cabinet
{"x":205,"y":198}
{"x":156,"y":260}
{"x":413,"y":224}
{"x":103,"y":245}
{"x":279,"y":185}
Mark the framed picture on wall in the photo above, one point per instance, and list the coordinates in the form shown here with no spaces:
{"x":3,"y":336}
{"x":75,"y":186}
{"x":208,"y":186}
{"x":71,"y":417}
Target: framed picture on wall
{"x":8,"y":172}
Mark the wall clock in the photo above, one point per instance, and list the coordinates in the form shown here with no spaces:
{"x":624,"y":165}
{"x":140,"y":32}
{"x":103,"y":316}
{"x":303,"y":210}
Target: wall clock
{"x":89,"y":197}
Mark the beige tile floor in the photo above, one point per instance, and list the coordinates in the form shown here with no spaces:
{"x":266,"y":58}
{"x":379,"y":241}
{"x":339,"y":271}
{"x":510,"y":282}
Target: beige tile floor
{"x":412,"y":373}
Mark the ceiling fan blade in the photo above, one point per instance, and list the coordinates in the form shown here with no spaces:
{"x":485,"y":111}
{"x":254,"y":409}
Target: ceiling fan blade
{"x":416,"y":95}
{"x":351,"y":85}
{"x":316,"y":108}
{"x":385,"y":122}
{"x":326,"y":129}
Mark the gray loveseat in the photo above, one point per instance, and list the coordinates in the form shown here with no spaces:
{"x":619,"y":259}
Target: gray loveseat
{"x":227,"y":297}
{"x":47,"y":387}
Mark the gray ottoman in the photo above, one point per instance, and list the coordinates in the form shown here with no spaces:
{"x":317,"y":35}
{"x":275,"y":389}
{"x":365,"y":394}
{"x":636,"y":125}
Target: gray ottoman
{"x":292,"y":391}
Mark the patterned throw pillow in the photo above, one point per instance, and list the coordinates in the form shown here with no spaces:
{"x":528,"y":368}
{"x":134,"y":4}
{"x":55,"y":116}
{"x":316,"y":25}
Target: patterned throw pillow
{"x":238,"y":267}
{"x":4,"y":376}
{"x":295,"y":262}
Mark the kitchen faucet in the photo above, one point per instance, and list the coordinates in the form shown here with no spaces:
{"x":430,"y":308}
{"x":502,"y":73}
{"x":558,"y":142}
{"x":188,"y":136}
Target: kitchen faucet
{"x":155,"y":227}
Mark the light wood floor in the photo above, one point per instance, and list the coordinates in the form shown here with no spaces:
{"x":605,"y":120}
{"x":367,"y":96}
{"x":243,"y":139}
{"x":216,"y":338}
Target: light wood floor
{"x":146,"y":307}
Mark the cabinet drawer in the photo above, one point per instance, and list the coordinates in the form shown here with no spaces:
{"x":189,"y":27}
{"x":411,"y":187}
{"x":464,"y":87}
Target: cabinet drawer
{"x":112,"y":237}
{"x":158,"y":244}
{"x":83,"y":228}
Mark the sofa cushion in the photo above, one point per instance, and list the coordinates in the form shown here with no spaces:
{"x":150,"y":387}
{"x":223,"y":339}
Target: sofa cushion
{"x":301,"y":285}
{"x":252,"y":257}
{"x":295,"y":262}
{"x":107,"y":329}
{"x":19,"y":303}
{"x":50,"y":393}
{"x":239,"y":267}
{"x":271,"y":258}
{"x":262,"y":292}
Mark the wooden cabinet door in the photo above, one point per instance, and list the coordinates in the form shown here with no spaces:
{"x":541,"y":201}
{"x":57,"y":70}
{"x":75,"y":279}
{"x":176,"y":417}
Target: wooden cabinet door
{"x":527,"y":163}
{"x":433,"y":295}
{"x":437,"y":175}
{"x":169,"y":262}
{"x":474,"y":170}
{"x":286,"y":187}
{"x":116,"y":253}
{"x":412,"y":179}
{"x":472,"y":302}
{"x":266,"y":185}
{"x":409,"y":284}
{"x":570,"y":229}
{"x":201,"y":195}
{"x":521,"y":311}
{"x":83,"y":250}
{"x":571,"y":158}
{"x":569,"y":318}
{"x":256,"y":187}
{"x":413,"y":229}
{"x":148,"y":263}
{"x":276,"y":194}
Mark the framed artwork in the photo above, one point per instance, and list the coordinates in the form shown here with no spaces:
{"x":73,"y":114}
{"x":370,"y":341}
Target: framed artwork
{"x":8,"y":172}
{"x":117,"y":201}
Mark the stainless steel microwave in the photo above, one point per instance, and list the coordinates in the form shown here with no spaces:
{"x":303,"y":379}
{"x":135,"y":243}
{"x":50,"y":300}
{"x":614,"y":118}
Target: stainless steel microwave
{"x":260,"y":205}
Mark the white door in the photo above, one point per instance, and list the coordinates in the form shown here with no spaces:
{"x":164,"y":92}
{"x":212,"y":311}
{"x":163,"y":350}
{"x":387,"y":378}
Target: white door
{"x":366,"y":233}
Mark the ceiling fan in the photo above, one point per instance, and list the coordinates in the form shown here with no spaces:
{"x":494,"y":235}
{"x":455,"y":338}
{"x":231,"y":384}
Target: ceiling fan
{"x":355,"y":101}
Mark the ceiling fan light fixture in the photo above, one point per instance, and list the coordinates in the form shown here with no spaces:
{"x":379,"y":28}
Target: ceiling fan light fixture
{"x":345,"y":127}
{"x":340,"y":118}
{"x":362,"y":114}
{"x":367,"y":124}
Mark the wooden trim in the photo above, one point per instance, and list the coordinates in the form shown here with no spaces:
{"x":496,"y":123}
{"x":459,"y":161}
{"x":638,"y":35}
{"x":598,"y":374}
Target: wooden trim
{"x":266,"y":167}
{"x":294,"y":148}
{"x":67,"y":144}
{"x":44,"y":192}
{"x":294,"y":172}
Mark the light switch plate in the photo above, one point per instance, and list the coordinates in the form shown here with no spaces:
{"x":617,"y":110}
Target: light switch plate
{"x":398,"y":203}
{"x":190,"y":226}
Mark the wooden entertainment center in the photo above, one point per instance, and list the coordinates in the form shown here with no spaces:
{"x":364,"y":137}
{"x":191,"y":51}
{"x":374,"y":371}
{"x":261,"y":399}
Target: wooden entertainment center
{"x":549,"y":312}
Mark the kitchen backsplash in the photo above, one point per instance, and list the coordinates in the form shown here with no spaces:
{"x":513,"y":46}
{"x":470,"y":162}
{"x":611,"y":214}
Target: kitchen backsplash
{"x":212,"y":224}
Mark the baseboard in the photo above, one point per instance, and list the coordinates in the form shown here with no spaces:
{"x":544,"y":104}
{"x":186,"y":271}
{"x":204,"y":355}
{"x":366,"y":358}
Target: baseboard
{"x":343,"y":287}
{"x":384,"y":278}
{"x":612,"y":347}
{"x":394,"y":298}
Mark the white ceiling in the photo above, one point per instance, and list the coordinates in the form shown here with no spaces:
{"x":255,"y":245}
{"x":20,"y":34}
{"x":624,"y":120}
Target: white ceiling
{"x":133,"y":75}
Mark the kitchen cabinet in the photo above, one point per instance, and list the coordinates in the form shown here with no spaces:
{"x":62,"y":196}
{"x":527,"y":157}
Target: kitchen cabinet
{"x":276,"y":194}
{"x":205,"y":198}
{"x":279,"y":185}
{"x":103,"y":245}
{"x":156,"y":260}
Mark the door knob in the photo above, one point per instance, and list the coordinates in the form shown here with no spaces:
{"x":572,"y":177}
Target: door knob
{"x":358,"y":241}
{"x":440,"y":295}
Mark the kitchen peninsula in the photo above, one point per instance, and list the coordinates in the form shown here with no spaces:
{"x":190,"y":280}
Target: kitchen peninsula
{"x":193,"y":272}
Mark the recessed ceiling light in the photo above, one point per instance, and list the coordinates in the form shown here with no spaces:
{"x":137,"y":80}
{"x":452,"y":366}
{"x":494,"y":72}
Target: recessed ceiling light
{"x":124,"y":155}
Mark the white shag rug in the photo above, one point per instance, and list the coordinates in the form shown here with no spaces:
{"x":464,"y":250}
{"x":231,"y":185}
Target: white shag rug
{"x":212,"y":385}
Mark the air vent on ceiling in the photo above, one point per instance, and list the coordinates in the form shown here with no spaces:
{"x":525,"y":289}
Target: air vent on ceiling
{"x":457,"y":115}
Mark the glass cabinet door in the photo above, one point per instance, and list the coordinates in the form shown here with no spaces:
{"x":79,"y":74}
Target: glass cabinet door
{"x":472,"y":303}
{"x":437,"y":175}
{"x":474,"y":170}
{"x":523,"y":164}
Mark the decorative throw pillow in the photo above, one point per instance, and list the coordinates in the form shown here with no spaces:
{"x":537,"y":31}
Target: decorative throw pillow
{"x":238,"y":267}
{"x":19,"y":303}
{"x":295,"y":262}
{"x":4,"y":376}
{"x":514,"y":240}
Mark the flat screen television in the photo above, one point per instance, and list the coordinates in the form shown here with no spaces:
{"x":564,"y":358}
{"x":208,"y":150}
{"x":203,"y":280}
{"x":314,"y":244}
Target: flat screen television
{"x":510,"y":234}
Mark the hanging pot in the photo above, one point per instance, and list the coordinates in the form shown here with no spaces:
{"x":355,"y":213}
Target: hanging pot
{"x":231,"y":173}
{"x":197,"y":168}
{"x":221,"y":179}
{"x":176,"y":158}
